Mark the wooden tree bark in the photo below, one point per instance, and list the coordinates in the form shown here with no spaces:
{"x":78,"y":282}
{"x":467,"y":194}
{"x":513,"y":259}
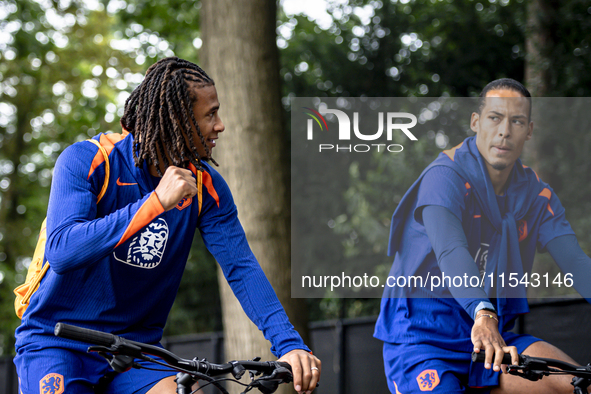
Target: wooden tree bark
{"x":240,"y":53}
{"x":537,"y":42}
{"x":538,"y":45}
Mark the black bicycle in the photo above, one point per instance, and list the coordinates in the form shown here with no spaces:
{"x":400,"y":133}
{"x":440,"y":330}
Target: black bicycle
{"x":535,"y":368}
{"x":121,"y":354}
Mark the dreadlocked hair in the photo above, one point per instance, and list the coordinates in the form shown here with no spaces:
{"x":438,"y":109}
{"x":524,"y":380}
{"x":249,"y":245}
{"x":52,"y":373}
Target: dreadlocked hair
{"x":159,"y":115}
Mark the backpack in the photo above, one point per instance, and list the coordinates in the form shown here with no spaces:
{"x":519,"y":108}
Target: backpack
{"x":37,"y":269}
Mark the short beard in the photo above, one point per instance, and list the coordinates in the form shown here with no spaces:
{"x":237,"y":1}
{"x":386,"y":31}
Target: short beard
{"x":499,"y":166}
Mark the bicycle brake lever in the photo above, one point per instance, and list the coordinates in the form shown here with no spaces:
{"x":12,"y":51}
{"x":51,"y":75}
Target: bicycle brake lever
{"x":119,"y":347}
{"x":529,"y":374}
{"x":118,"y":362}
{"x":267,"y":384}
{"x":121,"y":363}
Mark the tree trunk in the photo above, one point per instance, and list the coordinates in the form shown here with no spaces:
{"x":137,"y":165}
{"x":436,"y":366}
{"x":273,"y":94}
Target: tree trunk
{"x":538,"y":45}
{"x":537,"y":42}
{"x":240,"y":53}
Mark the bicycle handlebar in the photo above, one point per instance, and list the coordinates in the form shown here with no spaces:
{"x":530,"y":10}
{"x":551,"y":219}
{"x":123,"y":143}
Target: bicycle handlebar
{"x":135,"y":349}
{"x":539,"y":362}
{"x":68,"y":331}
{"x":128,"y":347}
{"x":534,"y":368}
{"x":479,"y":358}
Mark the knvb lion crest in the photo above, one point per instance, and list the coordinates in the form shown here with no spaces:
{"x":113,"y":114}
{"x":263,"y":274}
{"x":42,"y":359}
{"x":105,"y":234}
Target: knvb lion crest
{"x":184,"y":203}
{"x":428,"y":380}
{"x":52,"y":383}
{"x":147,"y":248}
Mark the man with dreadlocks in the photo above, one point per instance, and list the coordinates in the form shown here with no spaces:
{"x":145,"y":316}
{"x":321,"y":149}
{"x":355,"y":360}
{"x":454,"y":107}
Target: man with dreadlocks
{"x":116,"y":264}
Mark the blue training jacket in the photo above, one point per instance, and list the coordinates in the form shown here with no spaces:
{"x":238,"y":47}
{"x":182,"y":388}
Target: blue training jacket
{"x":458,"y":180}
{"x":117,"y":266}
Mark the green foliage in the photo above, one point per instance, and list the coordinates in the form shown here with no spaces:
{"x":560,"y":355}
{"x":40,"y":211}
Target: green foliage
{"x":569,"y":53}
{"x":44,"y":109}
{"x":406,"y":48}
{"x":66,"y":70}
{"x":176,"y":22}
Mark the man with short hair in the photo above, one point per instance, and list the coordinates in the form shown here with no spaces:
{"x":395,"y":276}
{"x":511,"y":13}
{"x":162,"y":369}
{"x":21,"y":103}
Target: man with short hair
{"x":476,"y":211}
{"x":116,"y":265}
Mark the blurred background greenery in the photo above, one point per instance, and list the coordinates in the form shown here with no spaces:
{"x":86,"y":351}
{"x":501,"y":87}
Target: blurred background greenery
{"x":67,"y":66}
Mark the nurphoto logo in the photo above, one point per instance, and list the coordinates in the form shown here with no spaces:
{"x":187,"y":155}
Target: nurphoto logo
{"x":388,"y":124}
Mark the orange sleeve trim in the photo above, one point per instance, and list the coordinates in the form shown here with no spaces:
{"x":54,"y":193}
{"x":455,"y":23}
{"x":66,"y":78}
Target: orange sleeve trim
{"x":207,"y":182}
{"x":536,"y":174}
{"x":147,"y":212}
{"x":546,"y":193}
{"x":108,"y":142}
{"x":452,"y":152}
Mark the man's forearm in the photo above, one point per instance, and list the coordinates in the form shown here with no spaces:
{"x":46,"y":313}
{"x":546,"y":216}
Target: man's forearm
{"x":451,"y":250}
{"x":571,"y":259}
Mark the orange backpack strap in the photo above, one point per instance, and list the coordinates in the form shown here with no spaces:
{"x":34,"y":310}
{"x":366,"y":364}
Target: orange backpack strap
{"x":107,"y":169}
{"x":37,"y":269}
{"x":35,"y":273}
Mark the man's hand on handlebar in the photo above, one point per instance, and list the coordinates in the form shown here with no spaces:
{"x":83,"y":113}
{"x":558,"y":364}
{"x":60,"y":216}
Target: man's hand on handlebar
{"x":485,"y":335}
{"x":306,"y":369}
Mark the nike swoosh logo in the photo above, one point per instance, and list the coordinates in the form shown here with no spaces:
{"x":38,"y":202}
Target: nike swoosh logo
{"x":119,"y":183}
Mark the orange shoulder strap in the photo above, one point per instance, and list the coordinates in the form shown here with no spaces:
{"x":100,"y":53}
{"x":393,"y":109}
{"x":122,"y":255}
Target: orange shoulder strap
{"x":107,"y":169}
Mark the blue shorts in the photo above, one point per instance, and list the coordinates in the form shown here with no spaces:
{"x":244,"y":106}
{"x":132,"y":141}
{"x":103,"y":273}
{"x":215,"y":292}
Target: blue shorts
{"x":57,"y":370}
{"x":416,"y":368}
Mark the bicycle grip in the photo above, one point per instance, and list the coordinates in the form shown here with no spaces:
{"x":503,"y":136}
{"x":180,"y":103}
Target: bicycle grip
{"x":68,"y":331}
{"x":479,"y":358}
{"x":284,"y":365}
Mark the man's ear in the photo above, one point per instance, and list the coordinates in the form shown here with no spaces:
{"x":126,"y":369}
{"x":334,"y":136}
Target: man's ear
{"x":474,"y":121}
{"x":530,"y":131}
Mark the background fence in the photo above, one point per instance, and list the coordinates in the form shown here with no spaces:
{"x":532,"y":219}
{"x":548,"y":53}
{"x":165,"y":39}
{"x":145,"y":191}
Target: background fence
{"x":352,"y":358}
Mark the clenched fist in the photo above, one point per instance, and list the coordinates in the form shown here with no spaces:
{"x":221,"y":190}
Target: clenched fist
{"x":176,"y":184}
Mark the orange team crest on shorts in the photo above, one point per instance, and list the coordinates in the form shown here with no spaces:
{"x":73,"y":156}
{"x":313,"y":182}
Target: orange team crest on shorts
{"x":428,"y":380}
{"x":52,"y":383}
